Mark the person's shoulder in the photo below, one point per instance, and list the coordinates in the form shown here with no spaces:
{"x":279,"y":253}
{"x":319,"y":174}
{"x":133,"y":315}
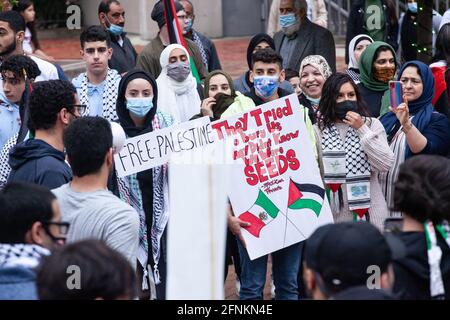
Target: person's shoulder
{"x":203,"y":38}
{"x":150,"y":47}
{"x":60,"y":191}
{"x":78,"y":80}
{"x":43,"y":65}
{"x":439,"y":118}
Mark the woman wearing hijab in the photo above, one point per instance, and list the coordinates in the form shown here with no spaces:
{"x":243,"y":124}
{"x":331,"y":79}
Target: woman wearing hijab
{"x":147,"y":191}
{"x":258,"y":42}
{"x":413,"y":127}
{"x":377,"y":67}
{"x":314,"y":71}
{"x":356,"y":47}
{"x":352,"y":149}
{"x":177,"y":86}
{"x":221,"y":100}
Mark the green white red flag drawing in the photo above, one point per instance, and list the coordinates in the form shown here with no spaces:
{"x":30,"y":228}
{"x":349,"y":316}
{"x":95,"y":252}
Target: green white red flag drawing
{"x":260,"y":214}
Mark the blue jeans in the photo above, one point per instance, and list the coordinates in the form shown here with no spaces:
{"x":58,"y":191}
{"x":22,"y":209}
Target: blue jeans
{"x":285,"y":264}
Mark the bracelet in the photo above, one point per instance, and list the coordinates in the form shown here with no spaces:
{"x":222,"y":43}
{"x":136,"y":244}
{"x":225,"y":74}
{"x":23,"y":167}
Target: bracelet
{"x":406,"y":128}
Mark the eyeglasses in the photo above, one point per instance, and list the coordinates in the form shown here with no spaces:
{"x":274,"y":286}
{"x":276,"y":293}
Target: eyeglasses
{"x":62,"y":226}
{"x":77,"y":108}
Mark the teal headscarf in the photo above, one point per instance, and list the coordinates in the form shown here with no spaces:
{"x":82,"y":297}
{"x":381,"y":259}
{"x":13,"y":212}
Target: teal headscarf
{"x":366,"y":73}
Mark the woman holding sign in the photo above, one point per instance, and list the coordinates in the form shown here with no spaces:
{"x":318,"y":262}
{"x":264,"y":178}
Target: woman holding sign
{"x":147,"y":191}
{"x":352,"y":150}
{"x":414,"y":127}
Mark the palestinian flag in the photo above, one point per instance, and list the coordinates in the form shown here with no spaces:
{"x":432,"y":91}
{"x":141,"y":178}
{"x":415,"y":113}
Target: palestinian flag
{"x":176,"y":32}
{"x":306,"y":196}
{"x":260,"y":214}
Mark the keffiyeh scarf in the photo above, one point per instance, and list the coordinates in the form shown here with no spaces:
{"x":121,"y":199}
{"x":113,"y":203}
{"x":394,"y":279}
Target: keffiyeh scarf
{"x":109,"y":95}
{"x":21,"y":255}
{"x":345,"y":162}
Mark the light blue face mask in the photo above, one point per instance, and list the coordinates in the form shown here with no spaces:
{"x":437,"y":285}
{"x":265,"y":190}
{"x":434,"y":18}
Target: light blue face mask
{"x":287,"y":20}
{"x":189,"y":25}
{"x":139,"y":107}
{"x":265,"y":86}
{"x":412,"y":7}
{"x":115,"y":29}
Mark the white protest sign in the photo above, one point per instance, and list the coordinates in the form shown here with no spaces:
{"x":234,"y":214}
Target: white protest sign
{"x":197,"y":227}
{"x":275,"y":182}
{"x":154,"y":148}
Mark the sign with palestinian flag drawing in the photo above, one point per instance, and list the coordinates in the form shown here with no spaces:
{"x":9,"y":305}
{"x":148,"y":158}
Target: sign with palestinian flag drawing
{"x":275,"y":180}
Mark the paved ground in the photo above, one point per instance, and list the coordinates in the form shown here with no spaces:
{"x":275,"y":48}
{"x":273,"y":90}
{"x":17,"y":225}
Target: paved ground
{"x":232,"y":53}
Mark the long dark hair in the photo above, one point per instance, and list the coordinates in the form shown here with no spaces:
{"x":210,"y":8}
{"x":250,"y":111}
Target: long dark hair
{"x":443,"y":45}
{"x":20,"y":7}
{"x":330,"y":93}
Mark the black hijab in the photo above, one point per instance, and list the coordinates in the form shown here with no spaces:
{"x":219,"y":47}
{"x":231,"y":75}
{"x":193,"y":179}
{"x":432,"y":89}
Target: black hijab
{"x":145,"y":178}
{"x":257,"y":39}
{"x":125,"y":120}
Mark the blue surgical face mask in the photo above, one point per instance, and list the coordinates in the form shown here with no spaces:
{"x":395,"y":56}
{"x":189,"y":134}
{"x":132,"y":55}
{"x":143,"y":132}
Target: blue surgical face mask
{"x":189,"y":24}
{"x":115,"y":29}
{"x":265,"y":86}
{"x":139,"y":107}
{"x":288,"y":20}
{"x":412,"y":7}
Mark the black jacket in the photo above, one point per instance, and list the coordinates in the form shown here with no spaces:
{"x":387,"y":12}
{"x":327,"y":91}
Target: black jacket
{"x":123,"y":58}
{"x":372,"y":99}
{"x":311,"y":39}
{"x":412,"y":272}
{"x":36,"y":161}
{"x":355,"y":25}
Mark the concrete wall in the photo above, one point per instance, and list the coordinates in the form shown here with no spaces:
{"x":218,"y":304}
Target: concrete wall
{"x":138,"y":21}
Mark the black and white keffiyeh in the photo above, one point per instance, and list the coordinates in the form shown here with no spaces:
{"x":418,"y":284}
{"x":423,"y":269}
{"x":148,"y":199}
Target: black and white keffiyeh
{"x":21,"y":255}
{"x":109,"y":95}
{"x":199,"y":43}
{"x":346,"y":163}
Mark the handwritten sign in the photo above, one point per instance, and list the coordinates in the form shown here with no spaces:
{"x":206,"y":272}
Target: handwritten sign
{"x":155,"y":148}
{"x":275,"y":180}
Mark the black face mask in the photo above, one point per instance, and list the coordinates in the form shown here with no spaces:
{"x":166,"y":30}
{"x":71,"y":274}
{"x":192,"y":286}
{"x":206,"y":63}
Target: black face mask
{"x":345,"y":106}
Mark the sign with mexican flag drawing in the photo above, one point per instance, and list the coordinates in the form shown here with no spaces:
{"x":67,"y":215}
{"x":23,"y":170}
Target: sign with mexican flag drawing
{"x":275,"y":180}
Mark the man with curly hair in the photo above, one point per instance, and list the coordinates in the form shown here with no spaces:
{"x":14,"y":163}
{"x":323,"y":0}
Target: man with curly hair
{"x":41,"y":160}
{"x":17,"y":73}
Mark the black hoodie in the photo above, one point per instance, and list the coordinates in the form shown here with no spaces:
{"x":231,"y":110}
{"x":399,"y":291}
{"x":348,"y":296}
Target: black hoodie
{"x":38,"y":162}
{"x":412,"y":272}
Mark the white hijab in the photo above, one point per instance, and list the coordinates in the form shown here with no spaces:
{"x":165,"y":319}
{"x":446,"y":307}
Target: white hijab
{"x":352,"y":63}
{"x":179,"y":99}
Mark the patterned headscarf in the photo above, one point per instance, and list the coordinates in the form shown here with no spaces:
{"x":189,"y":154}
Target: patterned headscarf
{"x":319,"y":63}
